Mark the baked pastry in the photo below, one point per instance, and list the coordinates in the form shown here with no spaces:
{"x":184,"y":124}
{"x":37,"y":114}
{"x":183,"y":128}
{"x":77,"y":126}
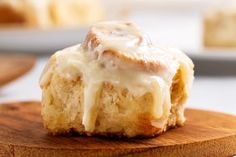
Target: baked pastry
{"x":49,"y":13}
{"x":219,"y":28}
{"x":76,"y":12}
{"x":27,"y":13}
{"x":115,"y":83}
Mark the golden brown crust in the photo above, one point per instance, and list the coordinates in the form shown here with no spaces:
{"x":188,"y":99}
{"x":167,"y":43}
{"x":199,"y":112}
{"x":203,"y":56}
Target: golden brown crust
{"x":148,"y":66}
{"x":10,"y":16}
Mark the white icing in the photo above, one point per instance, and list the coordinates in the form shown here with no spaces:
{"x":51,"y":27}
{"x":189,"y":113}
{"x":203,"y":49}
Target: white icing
{"x":77,"y":62}
{"x":72,"y":64}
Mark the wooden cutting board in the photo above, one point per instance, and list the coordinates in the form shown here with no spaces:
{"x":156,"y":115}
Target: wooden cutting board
{"x":205,"y":134}
{"x":14,"y":66}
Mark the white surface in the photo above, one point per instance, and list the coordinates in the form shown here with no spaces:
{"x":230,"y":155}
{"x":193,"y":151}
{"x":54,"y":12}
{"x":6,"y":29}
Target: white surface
{"x":209,"y":93}
{"x":39,"y":41}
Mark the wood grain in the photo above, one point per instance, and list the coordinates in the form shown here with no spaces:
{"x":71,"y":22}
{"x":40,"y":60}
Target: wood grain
{"x":205,"y":134}
{"x":14,"y":66}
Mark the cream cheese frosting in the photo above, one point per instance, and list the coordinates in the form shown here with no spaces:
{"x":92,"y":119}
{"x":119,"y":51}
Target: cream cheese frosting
{"x":94,"y":68}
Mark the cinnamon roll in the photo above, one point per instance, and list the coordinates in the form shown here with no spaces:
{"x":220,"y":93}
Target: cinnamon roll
{"x":220,"y":28}
{"x":117,"y":82}
{"x":46,"y":14}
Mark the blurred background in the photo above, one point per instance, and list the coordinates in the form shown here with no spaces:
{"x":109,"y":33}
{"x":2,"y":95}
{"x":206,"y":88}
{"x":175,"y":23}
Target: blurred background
{"x":32,"y":30}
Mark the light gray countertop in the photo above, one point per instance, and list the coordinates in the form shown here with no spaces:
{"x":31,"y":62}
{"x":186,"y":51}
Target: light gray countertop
{"x":211,"y":93}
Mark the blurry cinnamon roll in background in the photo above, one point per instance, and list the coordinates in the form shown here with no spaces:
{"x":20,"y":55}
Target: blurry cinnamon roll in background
{"x":45,"y":14}
{"x":220,"y":27}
